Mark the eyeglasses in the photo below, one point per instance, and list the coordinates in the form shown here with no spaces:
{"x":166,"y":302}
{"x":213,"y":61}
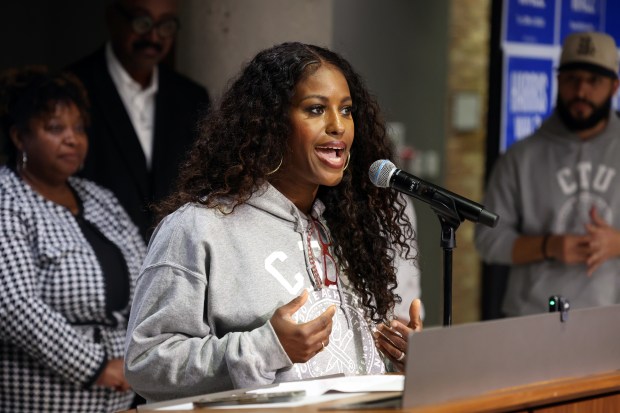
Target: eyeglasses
{"x":142,"y":24}
{"x":331,"y":271}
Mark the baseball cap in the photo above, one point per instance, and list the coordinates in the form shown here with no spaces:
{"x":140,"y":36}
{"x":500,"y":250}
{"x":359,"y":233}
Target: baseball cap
{"x":593,"y":51}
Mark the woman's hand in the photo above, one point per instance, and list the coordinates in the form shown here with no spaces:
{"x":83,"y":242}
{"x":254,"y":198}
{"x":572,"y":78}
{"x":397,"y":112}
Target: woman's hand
{"x":392,"y":340}
{"x":113,"y":376}
{"x":301,"y":342}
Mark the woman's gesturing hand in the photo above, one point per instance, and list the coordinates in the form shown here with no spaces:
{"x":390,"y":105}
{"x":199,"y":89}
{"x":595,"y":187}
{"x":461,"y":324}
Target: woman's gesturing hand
{"x":302,"y":341}
{"x":392,"y":340}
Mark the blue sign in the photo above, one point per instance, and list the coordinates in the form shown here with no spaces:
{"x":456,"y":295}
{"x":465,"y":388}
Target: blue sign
{"x":530,"y":21}
{"x":581,"y":16}
{"x":611,"y":19}
{"x":527,"y":95}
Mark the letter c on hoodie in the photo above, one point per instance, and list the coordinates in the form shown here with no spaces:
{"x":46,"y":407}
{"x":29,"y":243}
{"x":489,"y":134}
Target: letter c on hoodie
{"x":281,"y":256}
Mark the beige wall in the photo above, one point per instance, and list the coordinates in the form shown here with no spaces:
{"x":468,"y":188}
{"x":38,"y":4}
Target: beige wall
{"x":218,"y":36}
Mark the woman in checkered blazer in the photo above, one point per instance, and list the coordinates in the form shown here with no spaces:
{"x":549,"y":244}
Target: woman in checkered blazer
{"x":68,"y":257}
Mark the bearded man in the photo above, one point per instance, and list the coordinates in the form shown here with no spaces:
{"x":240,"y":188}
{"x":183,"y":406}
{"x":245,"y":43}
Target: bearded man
{"x":557,"y":191}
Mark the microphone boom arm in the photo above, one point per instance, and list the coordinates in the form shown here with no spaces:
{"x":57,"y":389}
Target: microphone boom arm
{"x":451,"y":209}
{"x":444,"y":206}
{"x":449,"y":219}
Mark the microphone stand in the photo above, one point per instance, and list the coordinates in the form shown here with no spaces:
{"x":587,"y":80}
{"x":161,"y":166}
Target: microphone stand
{"x":450,"y":220}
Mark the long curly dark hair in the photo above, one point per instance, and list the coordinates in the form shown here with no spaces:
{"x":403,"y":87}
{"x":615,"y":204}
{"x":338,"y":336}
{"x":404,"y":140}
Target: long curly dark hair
{"x":246,"y":137}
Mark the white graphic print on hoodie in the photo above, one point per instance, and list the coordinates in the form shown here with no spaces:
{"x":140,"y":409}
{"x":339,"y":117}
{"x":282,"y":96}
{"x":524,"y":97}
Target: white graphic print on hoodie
{"x":211,"y":282}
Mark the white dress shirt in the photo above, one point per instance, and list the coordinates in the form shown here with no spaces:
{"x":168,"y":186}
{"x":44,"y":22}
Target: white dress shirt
{"x":139,"y":102}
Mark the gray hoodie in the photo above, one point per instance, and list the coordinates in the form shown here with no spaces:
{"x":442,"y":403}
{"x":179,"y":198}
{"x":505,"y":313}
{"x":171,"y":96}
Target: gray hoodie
{"x":208,"y":287}
{"x":547,"y":184}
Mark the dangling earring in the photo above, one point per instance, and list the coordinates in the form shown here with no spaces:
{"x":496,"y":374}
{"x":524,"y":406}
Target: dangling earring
{"x":278,"y":167}
{"x":24,"y":160}
{"x":346,"y":165}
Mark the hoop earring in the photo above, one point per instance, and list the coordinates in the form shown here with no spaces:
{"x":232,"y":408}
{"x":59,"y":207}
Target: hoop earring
{"x":346,"y":165}
{"x":277,"y":167}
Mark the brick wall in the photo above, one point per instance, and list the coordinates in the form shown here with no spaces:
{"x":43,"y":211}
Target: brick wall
{"x":465,"y":149}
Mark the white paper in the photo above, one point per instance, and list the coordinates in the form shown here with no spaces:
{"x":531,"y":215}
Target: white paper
{"x":317,"y":391}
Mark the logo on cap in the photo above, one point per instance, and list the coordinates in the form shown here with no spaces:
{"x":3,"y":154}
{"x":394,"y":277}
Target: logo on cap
{"x":585,"y":46}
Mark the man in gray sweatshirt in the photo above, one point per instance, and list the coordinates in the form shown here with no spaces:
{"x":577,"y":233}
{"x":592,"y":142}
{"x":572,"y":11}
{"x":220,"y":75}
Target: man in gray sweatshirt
{"x":556,"y":191}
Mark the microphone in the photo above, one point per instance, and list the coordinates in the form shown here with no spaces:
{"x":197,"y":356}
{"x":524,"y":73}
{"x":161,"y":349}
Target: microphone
{"x":384,"y":174}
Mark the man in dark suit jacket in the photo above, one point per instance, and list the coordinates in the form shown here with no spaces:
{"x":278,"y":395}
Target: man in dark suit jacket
{"x":144,"y":115}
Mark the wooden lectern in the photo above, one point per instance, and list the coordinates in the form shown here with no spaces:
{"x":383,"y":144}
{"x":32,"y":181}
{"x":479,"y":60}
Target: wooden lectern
{"x":532,"y":364}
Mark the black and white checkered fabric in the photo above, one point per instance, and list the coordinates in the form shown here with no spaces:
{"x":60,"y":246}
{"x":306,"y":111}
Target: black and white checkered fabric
{"x":55,"y":335}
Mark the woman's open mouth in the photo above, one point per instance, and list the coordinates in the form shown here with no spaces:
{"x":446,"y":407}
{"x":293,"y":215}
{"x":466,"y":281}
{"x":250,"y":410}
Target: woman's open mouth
{"x":332,"y":155}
